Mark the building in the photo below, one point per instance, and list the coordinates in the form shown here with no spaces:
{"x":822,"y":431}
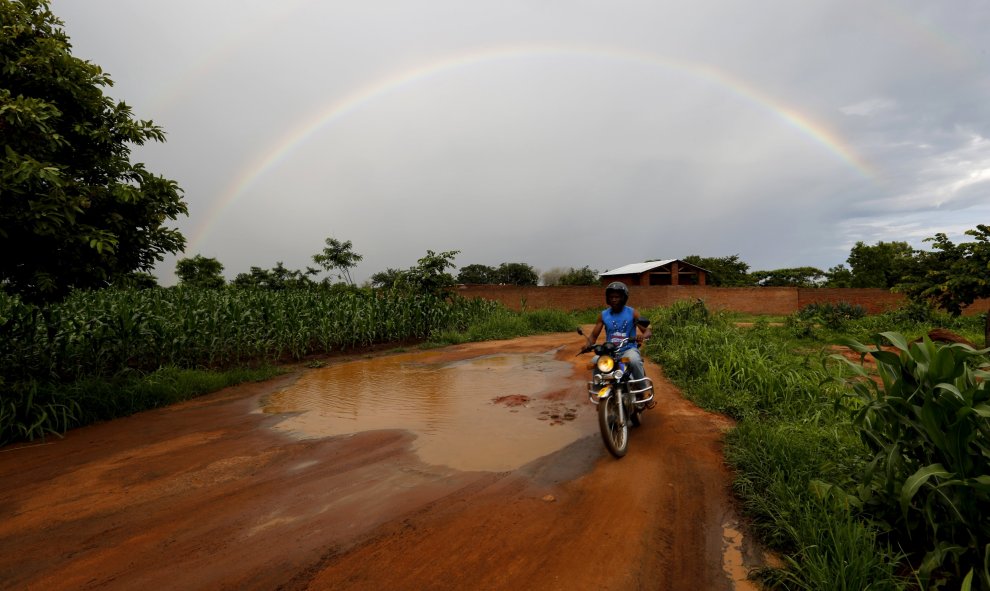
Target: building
{"x":668,"y":272}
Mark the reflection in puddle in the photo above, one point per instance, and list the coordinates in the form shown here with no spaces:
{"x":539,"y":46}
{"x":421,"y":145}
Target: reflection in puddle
{"x":449,"y":406}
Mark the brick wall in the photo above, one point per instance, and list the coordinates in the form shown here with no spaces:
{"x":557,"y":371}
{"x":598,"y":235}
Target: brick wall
{"x":752,"y":300}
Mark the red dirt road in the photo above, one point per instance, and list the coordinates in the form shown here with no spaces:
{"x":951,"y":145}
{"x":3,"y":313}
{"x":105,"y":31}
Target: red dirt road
{"x":206,"y":495}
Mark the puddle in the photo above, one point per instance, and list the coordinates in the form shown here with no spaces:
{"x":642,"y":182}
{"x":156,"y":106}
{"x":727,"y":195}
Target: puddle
{"x":484,"y":413}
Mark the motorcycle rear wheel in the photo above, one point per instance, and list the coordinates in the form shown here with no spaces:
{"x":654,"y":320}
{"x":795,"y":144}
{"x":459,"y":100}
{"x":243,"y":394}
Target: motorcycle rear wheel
{"x":615,"y":436}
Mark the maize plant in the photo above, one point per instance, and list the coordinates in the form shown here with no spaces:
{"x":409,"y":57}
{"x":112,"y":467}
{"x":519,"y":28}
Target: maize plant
{"x":99,"y":334}
{"x":926,"y":422}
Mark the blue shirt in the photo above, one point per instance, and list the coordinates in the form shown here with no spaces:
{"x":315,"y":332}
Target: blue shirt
{"x":619,"y":326}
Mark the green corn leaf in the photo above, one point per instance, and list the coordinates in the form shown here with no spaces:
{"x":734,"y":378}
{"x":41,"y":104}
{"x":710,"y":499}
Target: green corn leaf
{"x":887,"y":358}
{"x":943,"y":364}
{"x":967,"y":584}
{"x":896,"y":339}
{"x":854,"y":345}
{"x":857,"y":368}
{"x":982,"y":409}
{"x":917,"y":480}
{"x":950,"y":388}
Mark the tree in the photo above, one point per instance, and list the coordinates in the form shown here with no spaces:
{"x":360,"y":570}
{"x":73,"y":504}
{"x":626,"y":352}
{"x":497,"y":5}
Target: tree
{"x":430,"y":275}
{"x":722,"y":271}
{"x":136,"y":280}
{"x":792,"y":277}
{"x":278,"y":278}
{"x":388,"y":279}
{"x":482,"y":274}
{"x":200,"y":271}
{"x":953,"y":276}
{"x":583,"y":276}
{"x":516,"y":274}
{"x":76,"y":212}
{"x":338,"y":255}
{"x":838,"y":276}
{"x":882,"y":265}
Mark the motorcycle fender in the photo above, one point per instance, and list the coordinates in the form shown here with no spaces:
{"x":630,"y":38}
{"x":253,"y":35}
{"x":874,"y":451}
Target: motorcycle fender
{"x":604,"y":392}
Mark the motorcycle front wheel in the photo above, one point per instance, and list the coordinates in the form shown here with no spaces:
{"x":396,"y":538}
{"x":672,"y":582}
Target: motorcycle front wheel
{"x":615,"y":436}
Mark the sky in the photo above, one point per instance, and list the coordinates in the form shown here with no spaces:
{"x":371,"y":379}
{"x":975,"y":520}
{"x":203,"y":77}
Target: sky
{"x":554,"y":133}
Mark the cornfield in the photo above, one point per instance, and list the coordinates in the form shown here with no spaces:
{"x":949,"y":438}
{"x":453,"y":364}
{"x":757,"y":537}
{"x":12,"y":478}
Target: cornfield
{"x":100,"y":333}
{"x":107,"y":333}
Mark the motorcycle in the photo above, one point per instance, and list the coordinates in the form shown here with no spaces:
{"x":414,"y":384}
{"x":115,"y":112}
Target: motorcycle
{"x":621,"y":399}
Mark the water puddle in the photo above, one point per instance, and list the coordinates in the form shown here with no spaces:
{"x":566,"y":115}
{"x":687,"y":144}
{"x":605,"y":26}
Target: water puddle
{"x":484,"y":413}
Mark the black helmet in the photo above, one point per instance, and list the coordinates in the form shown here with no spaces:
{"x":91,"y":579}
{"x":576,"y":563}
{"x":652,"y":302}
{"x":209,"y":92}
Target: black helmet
{"x":619,"y":287}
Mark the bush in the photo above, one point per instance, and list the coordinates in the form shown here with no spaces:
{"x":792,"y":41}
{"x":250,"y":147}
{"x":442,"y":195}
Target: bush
{"x":833,"y":316}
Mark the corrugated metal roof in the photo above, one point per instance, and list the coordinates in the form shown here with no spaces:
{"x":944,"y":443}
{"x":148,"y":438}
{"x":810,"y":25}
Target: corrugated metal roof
{"x":637,"y":268}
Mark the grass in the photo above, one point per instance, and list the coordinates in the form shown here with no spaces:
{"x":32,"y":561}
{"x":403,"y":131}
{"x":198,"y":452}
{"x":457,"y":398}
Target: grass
{"x":795,"y":442}
{"x":506,"y":324}
{"x":60,"y":407}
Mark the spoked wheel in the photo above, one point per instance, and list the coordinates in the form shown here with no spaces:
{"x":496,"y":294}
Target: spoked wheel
{"x":615,"y":436}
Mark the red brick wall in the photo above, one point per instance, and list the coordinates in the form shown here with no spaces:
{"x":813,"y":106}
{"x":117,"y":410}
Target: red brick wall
{"x":874,"y":301}
{"x":752,"y":300}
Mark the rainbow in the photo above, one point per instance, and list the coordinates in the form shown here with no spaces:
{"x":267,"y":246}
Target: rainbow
{"x":347,"y":105}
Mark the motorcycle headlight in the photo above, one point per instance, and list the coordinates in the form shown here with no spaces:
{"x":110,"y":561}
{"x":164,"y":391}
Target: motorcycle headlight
{"x":605,"y":364}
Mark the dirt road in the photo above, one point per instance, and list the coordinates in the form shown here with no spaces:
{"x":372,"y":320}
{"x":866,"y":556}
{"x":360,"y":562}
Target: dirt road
{"x":209,"y":495}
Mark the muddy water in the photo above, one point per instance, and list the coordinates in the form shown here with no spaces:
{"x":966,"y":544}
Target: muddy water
{"x":486,"y":413}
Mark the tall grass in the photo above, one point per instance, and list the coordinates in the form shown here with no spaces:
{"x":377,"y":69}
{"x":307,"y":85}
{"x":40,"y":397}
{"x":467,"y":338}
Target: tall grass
{"x":883,"y":483}
{"x":504,"y":324}
{"x":792,"y":436}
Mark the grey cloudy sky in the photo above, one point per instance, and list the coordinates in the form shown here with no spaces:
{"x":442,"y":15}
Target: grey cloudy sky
{"x":555,"y":133}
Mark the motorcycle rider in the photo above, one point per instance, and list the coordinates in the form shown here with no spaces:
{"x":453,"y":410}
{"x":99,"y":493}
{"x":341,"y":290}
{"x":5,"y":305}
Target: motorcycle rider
{"x":619,"y":322}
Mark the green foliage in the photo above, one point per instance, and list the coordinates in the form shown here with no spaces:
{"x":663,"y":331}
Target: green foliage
{"x":27,"y":414}
{"x":200,"y":271}
{"x":738,"y":373}
{"x":825,"y":546}
{"x":37,"y":409}
{"x":790,"y":438}
{"x":927,"y":426}
{"x":338,"y":255}
{"x":791,"y":277}
{"x":480,"y":274}
{"x":76,"y":212}
{"x":109,"y":333}
{"x":505,"y":324}
{"x":516,"y":274}
{"x":953,"y":276}
{"x":430,"y":276}
{"x":833,"y":316}
{"x":882,"y":265}
{"x":838,"y":276}
{"x":727,"y":271}
{"x":583,"y":276}
{"x":506,"y":273}
{"x":275,"y":279}
{"x":136,"y":280}
{"x":388,"y":279}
